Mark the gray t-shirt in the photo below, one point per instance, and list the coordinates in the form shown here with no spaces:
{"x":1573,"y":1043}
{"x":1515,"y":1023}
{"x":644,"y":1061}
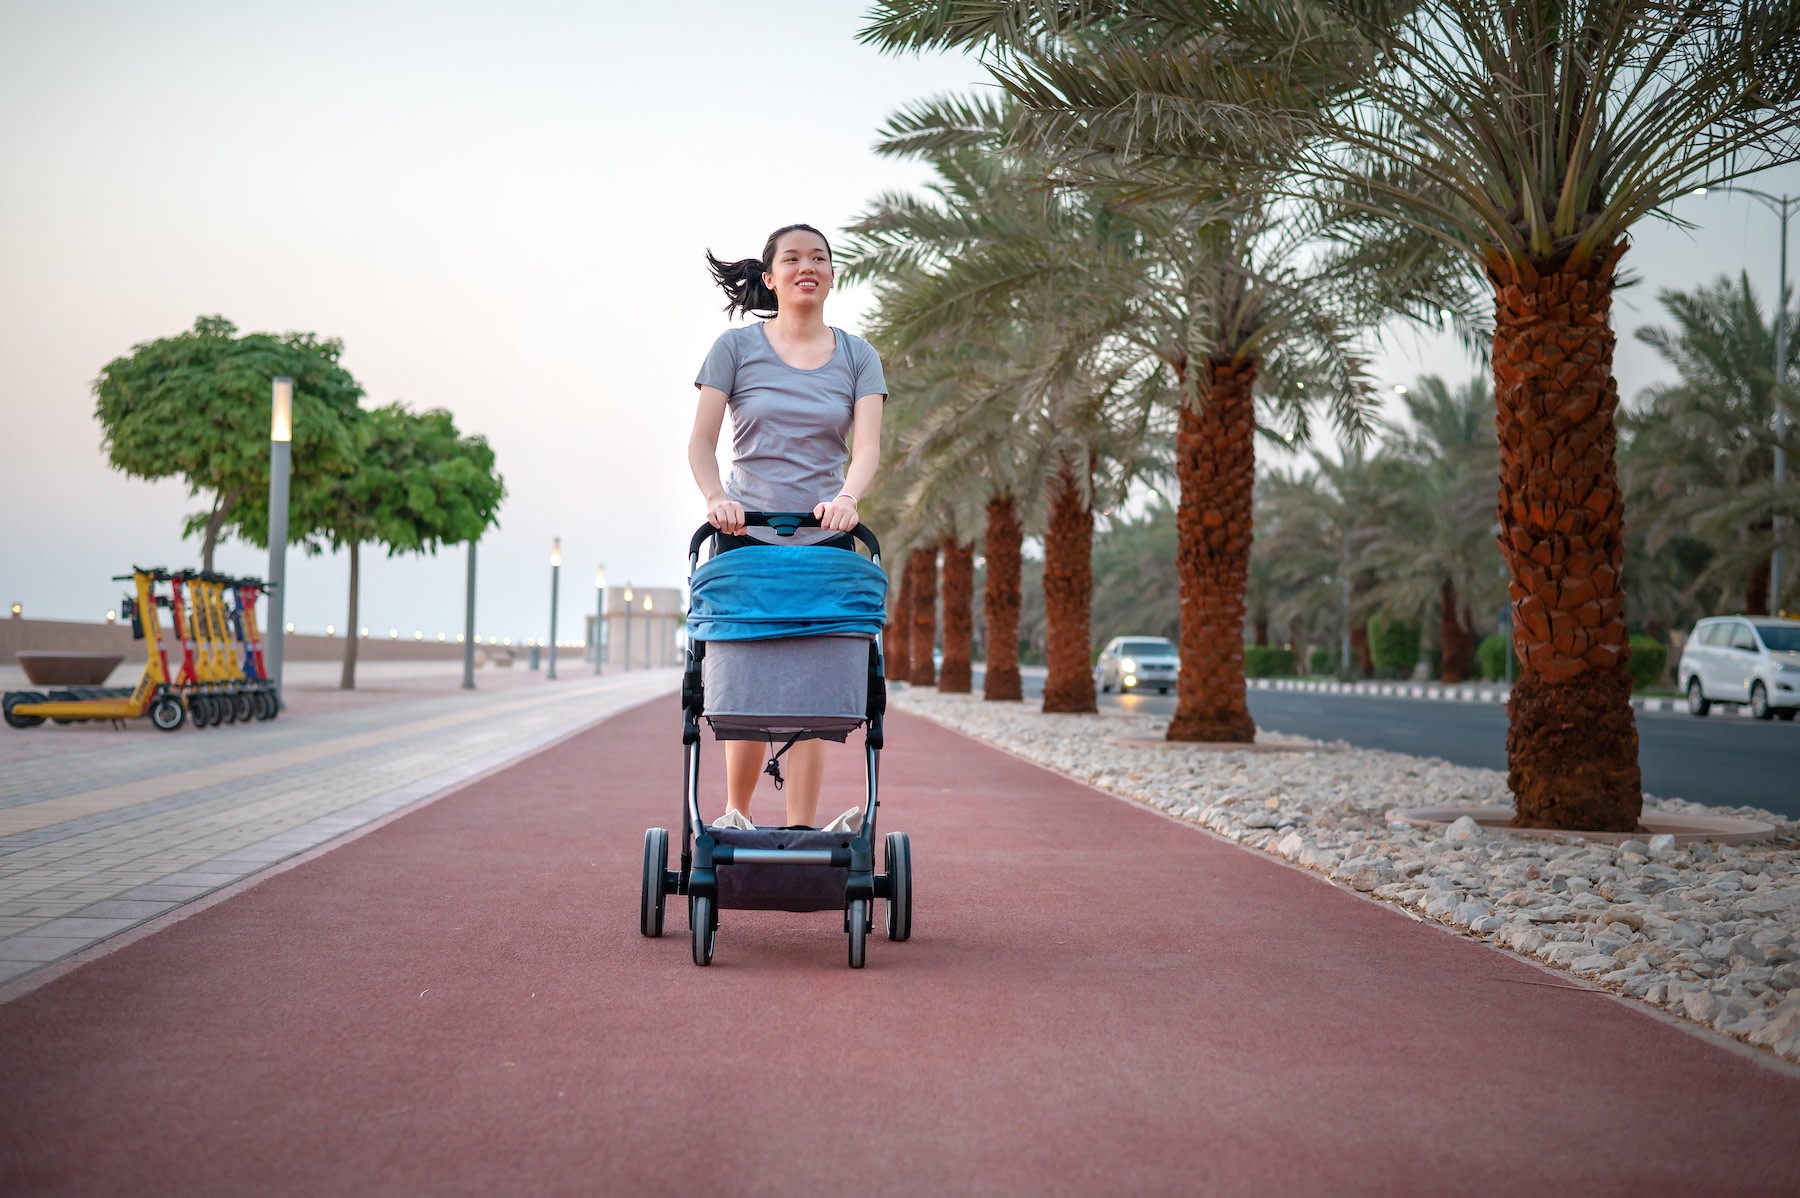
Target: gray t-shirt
{"x":790,"y":428}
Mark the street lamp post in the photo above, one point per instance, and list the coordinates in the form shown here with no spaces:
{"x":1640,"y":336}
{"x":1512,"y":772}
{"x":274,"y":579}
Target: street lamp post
{"x":628,"y":626}
{"x":599,"y":620}
{"x":468,"y":682}
{"x":649,"y":632}
{"x":281,"y":460}
{"x":1783,"y":207}
{"x":555,"y":582}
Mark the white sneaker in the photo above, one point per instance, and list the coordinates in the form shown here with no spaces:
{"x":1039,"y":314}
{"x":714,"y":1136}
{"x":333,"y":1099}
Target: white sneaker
{"x":733,"y":818}
{"x":850,"y":821}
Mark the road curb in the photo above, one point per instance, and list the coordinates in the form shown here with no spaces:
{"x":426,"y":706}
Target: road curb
{"x":1455,"y":694}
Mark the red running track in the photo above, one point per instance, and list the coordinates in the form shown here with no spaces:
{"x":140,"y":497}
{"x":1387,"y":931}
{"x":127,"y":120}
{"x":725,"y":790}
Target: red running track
{"x":1098,"y":1000}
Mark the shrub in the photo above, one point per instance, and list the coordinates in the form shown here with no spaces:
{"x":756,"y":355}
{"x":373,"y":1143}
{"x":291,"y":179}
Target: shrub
{"x":1493,"y":652}
{"x":1322,"y":661}
{"x":1649,"y":662}
{"x":1267,"y":661}
{"x":1393,"y":645}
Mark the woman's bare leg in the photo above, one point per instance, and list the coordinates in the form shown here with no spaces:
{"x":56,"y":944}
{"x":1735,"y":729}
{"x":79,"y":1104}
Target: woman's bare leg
{"x":743,"y":766}
{"x":805,"y":778}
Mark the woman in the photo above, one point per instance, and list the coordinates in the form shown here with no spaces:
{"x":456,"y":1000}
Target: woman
{"x":803,"y":397}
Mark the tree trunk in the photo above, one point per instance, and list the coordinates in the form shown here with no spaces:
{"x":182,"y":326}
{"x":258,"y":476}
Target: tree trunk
{"x":347,"y":682}
{"x":1260,"y":625}
{"x":1215,"y":463}
{"x":1456,"y":646}
{"x":923,"y":567}
{"x":1069,"y":596}
{"x":1571,"y":744}
{"x":1363,"y":660}
{"x":959,"y":617}
{"x":216,"y":520}
{"x":899,"y":627}
{"x":1000,"y":599}
{"x":1756,"y":589}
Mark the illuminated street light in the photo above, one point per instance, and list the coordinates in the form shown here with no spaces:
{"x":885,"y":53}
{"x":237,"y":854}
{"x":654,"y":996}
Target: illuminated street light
{"x":281,"y":462}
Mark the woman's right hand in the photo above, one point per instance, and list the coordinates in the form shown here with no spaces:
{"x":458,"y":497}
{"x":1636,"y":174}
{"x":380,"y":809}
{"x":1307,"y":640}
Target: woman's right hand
{"x":726,"y":515}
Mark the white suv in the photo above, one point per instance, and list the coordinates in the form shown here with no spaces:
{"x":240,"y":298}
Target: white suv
{"x":1743,"y":659}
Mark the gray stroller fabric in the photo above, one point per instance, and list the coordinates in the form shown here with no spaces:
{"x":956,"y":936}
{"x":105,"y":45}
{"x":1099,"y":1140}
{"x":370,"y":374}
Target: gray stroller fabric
{"x":781,"y":887}
{"x":805,"y":686}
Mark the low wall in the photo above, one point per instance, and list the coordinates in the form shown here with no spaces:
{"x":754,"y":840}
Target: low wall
{"x":116,"y":638}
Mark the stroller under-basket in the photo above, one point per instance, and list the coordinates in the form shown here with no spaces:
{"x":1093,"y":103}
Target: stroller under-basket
{"x":784,"y":645}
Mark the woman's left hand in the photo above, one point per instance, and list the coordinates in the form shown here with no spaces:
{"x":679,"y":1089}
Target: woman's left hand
{"x":839,"y":515}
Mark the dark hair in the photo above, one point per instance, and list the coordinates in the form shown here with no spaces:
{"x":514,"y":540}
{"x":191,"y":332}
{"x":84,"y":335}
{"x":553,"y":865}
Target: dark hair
{"x":742,"y":280}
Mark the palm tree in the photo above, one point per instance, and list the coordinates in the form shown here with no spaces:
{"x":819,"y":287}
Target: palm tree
{"x":1528,"y":137}
{"x":975,"y":283}
{"x":1698,"y":452}
{"x":1435,"y":543}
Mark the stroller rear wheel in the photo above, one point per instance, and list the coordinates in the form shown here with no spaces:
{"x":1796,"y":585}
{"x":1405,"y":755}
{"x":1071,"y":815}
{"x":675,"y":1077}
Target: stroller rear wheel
{"x":703,"y":921}
{"x":898,"y":863}
{"x":858,"y":919}
{"x":656,"y":860}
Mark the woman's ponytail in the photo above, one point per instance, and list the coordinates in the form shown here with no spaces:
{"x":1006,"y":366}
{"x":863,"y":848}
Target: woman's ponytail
{"x":742,"y":282}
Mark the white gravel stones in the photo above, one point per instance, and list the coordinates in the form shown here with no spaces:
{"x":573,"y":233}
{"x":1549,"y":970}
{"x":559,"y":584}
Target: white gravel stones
{"x":1707,"y":932}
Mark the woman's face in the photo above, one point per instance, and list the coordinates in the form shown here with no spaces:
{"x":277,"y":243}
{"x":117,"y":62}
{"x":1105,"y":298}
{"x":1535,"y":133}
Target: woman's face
{"x":801,"y":274}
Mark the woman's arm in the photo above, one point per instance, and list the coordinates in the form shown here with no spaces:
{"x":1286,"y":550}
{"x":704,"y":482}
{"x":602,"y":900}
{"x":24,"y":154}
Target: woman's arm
{"x":840,"y":514}
{"x":723,"y":512}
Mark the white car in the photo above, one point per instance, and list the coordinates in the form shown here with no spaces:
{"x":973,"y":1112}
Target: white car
{"x":1743,"y":659}
{"x":1136,"y":663}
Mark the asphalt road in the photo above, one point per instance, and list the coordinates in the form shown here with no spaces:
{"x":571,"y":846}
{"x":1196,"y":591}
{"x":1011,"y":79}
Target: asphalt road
{"x":1722,"y":759}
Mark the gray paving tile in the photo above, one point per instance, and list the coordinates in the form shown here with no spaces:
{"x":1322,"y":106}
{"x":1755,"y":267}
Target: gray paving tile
{"x":165,"y":892}
{"x":9,"y":970}
{"x":40,"y":949}
{"x":132,"y":909}
{"x":91,"y":929}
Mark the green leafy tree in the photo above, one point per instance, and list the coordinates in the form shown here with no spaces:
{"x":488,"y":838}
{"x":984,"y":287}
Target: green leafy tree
{"x":1697,"y":457}
{"x":417,"y":484}
{"x":195,"y":406}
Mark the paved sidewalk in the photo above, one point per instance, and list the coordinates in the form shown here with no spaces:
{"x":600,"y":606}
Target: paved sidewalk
{"x":1097,"y":1000}
{"x":104,"y":830}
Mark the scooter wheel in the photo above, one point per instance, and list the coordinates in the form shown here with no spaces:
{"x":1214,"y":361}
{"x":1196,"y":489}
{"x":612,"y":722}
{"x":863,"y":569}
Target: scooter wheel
{"x":241,"y":710}
{"x":19,"y":699}
{"x":200,"y":709}
{"x":167,"y":713}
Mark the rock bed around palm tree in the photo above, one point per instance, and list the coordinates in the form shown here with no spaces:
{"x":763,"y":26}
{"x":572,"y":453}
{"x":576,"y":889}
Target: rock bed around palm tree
{"x":1710,"y":933}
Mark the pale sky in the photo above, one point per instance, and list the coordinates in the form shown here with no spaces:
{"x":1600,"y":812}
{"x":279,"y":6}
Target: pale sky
{"x":501,"y":212}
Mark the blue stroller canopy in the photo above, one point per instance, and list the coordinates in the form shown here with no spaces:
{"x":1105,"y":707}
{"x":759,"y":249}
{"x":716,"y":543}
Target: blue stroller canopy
{"x":763,"y":592}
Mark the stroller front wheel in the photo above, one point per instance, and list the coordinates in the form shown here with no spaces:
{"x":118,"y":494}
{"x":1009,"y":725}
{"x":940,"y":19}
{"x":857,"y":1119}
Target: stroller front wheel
{"x":899,"y":886}
{"x":858,"y":919}
{"x":703,"y":921}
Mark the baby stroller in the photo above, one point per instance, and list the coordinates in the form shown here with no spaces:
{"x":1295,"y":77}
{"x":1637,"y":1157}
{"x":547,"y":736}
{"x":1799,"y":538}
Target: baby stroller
{"x":784,"y":645}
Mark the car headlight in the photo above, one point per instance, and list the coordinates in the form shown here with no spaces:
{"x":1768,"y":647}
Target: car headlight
{"x":1128,"y":665}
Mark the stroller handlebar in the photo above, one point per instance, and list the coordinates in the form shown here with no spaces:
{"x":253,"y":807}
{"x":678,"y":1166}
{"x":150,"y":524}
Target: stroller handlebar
{"x":784,"y":524}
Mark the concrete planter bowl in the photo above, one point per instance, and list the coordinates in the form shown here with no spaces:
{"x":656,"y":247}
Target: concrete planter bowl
{"x":67,"y":667}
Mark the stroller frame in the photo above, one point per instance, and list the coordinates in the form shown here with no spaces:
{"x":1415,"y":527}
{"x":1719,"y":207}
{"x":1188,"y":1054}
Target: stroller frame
{"x":704,"y":849}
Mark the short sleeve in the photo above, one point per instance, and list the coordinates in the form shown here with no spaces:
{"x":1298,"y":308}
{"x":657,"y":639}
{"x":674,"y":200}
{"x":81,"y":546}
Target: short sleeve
{"x":720,"y":368}
{"x":866,"y":365}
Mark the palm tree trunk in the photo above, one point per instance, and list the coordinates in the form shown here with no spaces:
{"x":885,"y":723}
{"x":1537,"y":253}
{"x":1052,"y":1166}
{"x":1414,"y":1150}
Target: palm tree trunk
{"x":347,"y":681}
{"x":1215,"y":463}
{"x":899,"y":628}
{"x":1000,"y":599}
{"x":1069,"y":595}
{"x":1756,"y":589}
{"x":1455,"y":664}
{"x":1572,"y":745}
{"x":922,"y":565}
{"x":959,"y":616}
